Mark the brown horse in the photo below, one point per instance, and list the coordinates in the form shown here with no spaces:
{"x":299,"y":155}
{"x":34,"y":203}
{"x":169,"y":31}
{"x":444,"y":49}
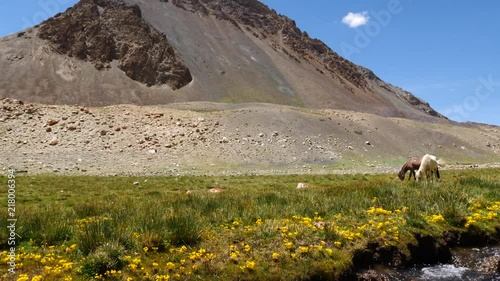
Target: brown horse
{"x":412,"y":165}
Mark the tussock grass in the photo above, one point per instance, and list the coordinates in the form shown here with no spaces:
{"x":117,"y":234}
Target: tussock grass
{"x":259,"y":228}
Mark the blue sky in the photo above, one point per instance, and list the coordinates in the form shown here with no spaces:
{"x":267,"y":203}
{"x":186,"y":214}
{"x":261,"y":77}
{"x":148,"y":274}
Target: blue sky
{"x":446,"y":52}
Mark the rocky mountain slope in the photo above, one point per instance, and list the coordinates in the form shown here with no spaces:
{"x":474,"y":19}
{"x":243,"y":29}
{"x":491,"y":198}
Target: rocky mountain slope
{"x":105,"y":52}
{"x":207,"y":86}
{"x":215,"y":138}
{"x":104,"y":31}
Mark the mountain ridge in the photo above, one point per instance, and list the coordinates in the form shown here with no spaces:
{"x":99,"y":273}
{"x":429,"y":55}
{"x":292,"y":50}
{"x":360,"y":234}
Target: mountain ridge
{"x":216,"y":50}
{"x":257,"y":15}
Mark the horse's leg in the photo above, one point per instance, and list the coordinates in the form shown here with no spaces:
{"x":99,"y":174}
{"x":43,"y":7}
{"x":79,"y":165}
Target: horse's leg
{"x":437,"y":174}
{"x":412,"y":172}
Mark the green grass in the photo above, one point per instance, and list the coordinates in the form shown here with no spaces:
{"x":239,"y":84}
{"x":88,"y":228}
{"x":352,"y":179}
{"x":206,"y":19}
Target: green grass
{"x":259,"y":228}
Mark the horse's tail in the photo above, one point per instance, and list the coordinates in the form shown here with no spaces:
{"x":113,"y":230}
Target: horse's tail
{"x":440,"y":162}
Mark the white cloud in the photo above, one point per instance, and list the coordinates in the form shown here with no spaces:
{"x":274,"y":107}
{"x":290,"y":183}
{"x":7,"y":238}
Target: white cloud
{"x":354,"y":20}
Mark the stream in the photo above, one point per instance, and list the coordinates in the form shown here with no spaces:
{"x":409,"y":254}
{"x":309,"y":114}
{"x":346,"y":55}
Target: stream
{"x":468,"y":264}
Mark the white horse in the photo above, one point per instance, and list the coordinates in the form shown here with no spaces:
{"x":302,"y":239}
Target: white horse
{"x":429,"y":165}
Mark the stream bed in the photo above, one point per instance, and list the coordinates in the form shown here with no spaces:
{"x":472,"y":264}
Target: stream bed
{"x":468,"y":264}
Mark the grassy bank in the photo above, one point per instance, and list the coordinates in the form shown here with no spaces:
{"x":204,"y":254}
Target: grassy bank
{"x":258,"y":228}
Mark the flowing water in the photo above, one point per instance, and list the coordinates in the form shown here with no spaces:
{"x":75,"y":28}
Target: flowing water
{"x":468,"y":264}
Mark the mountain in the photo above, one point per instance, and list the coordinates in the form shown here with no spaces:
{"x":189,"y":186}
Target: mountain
{"x":108,"y":52}
{"x":157,"y":87}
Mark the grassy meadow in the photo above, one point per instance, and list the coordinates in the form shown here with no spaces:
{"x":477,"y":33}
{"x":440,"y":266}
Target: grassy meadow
{"x":258,"y":228}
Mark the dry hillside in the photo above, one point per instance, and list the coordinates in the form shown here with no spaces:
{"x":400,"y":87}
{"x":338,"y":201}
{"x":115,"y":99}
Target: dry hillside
{"x":204,"y":138}
{"x":207,"y":86}
{"x":108,"y":52}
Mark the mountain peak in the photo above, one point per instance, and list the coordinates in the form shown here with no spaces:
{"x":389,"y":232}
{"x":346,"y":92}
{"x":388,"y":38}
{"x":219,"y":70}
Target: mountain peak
{"x":165,"y":51}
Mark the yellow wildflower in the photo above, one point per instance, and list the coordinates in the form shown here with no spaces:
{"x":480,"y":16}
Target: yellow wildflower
{"x":162,"y":278}
{"x":250,"y":264}
{"x":303,"y":249}
{"x":170,"y":265}
{"x":23,"y":277}
{"x":37,"y":278}
{"x":234,"y":255}
{"x":132,"y":266}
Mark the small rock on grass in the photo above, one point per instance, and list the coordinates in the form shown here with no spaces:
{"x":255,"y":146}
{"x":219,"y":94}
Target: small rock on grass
{"x":302,"y":185}
{"x":54,"y":141}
